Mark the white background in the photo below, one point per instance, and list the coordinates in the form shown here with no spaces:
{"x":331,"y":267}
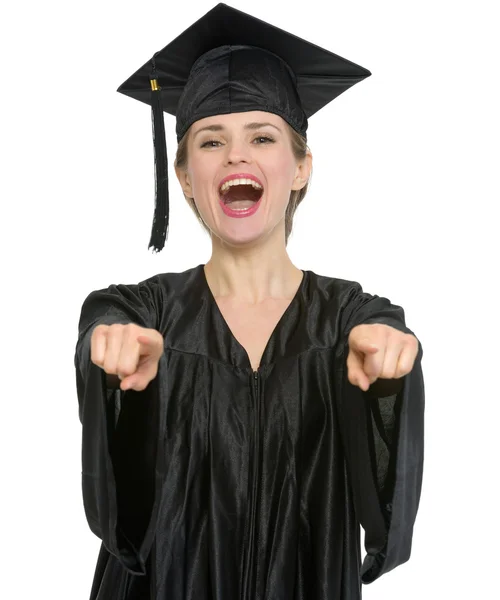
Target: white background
{"x":403,"y":199}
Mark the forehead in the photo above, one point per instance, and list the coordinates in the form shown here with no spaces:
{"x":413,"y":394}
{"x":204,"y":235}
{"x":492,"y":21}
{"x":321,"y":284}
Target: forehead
{"x":239,"y":120}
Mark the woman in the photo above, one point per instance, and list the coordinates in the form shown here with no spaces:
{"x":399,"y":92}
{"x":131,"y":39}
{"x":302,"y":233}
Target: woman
{"x":250,"y":273}
{"x":262,"y":412}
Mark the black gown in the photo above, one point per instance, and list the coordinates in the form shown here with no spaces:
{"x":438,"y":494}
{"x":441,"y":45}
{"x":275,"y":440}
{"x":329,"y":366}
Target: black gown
{"x":220,"y":483}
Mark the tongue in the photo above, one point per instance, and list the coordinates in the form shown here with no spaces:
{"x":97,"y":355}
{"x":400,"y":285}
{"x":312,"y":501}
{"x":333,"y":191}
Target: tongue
{"x":240,"y":203}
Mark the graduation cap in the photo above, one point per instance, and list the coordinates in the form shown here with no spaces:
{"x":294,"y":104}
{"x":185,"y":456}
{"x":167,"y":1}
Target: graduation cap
{"x":229,"y":61}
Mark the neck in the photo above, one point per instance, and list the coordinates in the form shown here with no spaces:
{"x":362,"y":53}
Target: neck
{"x":252,"y":277}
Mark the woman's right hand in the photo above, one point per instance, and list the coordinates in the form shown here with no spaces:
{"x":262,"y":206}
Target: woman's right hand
{"x":129,"y":351}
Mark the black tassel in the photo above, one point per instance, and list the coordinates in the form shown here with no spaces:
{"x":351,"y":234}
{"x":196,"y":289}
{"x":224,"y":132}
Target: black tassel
{"x":160,"y":222}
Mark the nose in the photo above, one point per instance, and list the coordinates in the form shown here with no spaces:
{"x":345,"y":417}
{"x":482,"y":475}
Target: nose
{"x":236,"y":152}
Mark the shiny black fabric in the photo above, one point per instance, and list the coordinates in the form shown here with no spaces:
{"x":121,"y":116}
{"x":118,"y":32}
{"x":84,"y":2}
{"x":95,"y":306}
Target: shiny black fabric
{"x":311,"y":76}
{"x":232,"y":79}
{"x":218,"y":483}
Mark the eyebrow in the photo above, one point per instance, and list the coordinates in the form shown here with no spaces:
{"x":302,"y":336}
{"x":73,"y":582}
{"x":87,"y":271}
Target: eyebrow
{"x":251,"y":126}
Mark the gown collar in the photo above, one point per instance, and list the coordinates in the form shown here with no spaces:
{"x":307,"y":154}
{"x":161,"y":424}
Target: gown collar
{"x":224,"y":343}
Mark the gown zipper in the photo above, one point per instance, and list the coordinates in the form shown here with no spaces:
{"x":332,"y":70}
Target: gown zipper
{"x":250,"y":571}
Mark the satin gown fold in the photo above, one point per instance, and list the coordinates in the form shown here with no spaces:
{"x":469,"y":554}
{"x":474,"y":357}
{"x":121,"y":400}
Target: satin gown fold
{"x":220,"y":483}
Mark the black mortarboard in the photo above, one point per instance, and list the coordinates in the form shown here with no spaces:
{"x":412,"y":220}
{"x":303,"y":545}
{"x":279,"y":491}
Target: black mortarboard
{"x":229,"y":61}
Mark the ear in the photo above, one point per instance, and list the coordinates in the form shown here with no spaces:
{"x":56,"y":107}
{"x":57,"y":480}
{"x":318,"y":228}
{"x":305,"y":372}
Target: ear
{"x":302,"y":172}
{"x":183,"y":177}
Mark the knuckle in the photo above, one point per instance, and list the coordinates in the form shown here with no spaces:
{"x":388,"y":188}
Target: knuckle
{"x":128,"y":359}
{"x":94,"y":358}
{"x":411,"y":340}
{"x":125,"y":369}
{"x":109,"y":363}
{"x":403,"y":370}
{"x":129,"y":328}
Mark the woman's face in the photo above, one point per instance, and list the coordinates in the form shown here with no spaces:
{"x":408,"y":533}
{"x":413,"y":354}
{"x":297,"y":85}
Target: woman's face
{"x":250,"y":144}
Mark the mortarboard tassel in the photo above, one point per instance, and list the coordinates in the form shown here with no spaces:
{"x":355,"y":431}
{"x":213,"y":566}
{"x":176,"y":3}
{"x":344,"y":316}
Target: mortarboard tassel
{"x":160,"y":222}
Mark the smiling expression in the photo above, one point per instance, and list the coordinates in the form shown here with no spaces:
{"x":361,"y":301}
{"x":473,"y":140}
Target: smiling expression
{"x":253,"y":145}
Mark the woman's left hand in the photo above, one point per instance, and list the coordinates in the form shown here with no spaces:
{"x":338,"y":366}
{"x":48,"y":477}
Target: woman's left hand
{"x":379,"y":351}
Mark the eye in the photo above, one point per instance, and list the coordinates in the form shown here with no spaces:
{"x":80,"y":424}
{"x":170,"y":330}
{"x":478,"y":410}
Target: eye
{"x":205,"y":144}
{"x":264,"y":137}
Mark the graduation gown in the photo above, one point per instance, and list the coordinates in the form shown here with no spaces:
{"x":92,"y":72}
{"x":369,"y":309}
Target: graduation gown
{"x":220,"y":483}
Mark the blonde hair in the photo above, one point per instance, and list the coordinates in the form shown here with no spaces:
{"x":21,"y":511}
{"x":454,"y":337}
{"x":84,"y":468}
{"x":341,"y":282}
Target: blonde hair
{"x":299,"y":149}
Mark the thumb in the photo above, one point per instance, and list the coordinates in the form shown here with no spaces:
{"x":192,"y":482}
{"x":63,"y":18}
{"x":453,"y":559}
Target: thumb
{"x":139,"y":380}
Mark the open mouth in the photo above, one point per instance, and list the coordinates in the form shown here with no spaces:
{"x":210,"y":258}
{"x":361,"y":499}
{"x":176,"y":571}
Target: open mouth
{"x":241,"y":193}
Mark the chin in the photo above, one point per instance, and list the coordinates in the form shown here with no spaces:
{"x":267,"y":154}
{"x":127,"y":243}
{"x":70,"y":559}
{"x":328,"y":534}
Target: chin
{"x":241,"y":237}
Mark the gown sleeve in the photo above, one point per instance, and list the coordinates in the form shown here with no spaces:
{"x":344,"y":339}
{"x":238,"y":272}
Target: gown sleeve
{"x":383,"y":436}
{"x":122,"y":458}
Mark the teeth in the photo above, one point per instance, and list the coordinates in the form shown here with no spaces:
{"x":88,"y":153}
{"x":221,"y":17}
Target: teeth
{"x":232,"y":182}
